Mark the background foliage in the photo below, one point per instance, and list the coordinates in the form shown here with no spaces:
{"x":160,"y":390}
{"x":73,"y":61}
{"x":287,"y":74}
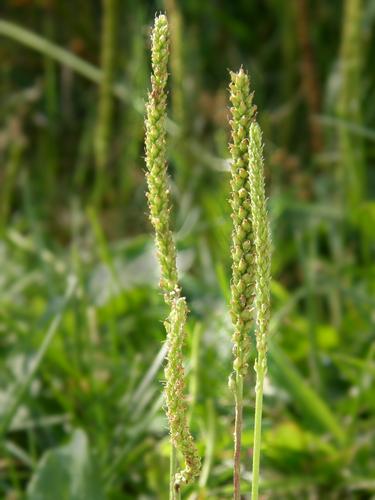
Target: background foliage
{"x":81,"y":336}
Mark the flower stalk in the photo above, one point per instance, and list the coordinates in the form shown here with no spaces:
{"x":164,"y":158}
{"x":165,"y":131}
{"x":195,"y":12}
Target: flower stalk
{"x":262,"y":244}
{"x":242,"y":284}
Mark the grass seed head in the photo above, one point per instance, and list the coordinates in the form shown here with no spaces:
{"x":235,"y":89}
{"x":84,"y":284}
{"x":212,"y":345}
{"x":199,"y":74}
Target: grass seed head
{"x":242,"y":284}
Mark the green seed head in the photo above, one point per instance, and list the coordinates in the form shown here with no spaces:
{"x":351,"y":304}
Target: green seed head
{"x":159,"y":205}
{"x":157,"y":177}
{"x":242,"y":284}
{"x":262,"y":240}
{"x":175,"y":396}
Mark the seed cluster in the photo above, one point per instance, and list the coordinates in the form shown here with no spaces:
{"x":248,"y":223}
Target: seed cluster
{"x":242,"y":284}
{"x":174,"y":391}
{"x":157,"y":177}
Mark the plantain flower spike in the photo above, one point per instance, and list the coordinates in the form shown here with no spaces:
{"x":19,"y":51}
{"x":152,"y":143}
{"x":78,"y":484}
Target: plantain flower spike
{"x":160,"y":206}
{"x":262,"y":242}
{"x":242,"y":284}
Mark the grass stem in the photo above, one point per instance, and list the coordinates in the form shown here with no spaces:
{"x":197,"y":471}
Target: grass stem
{"x":172,"y":473}
{"x":257,"y":430}
{"x":238,"y":436}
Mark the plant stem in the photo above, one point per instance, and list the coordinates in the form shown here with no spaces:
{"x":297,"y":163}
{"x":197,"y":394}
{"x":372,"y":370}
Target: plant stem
{"x":194,"y":371}
{"x":238,"y":436}
{"x":257,"y":428}
{"x":349,"y":106}
{"x":310,"y":80}
{"x":105,"y":106}
{"x":172,"y":473}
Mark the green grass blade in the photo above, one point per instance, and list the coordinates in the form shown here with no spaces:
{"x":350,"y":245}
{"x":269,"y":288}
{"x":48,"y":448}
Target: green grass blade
{"x":24,"y":384}
{"x":50,"y":49}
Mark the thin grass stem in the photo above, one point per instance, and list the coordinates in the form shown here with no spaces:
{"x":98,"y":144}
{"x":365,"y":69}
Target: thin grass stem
{"x":105,"y":110}
{"x":238,"y":436}
{"x":257,"y":434}
{"x":172,"y":473}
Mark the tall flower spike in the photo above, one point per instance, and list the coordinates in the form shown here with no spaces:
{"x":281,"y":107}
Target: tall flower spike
{"x":160,"y":206}
{"x":262,"y":241}
{"x":242,"y":284}
{"x":242,"y":292}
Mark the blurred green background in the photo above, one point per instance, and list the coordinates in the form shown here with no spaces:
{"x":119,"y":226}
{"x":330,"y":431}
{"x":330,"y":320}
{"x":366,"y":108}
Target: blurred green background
{"x":81,"y":333}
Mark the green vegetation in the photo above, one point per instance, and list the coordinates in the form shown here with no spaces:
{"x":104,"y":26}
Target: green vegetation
{"x":82,"y":343}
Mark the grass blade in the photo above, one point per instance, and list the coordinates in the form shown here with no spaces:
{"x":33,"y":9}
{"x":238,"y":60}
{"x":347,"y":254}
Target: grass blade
{"x":24,"y":384}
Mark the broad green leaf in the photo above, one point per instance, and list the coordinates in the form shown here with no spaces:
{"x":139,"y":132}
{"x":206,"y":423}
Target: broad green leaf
{"x":66,"y":473}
